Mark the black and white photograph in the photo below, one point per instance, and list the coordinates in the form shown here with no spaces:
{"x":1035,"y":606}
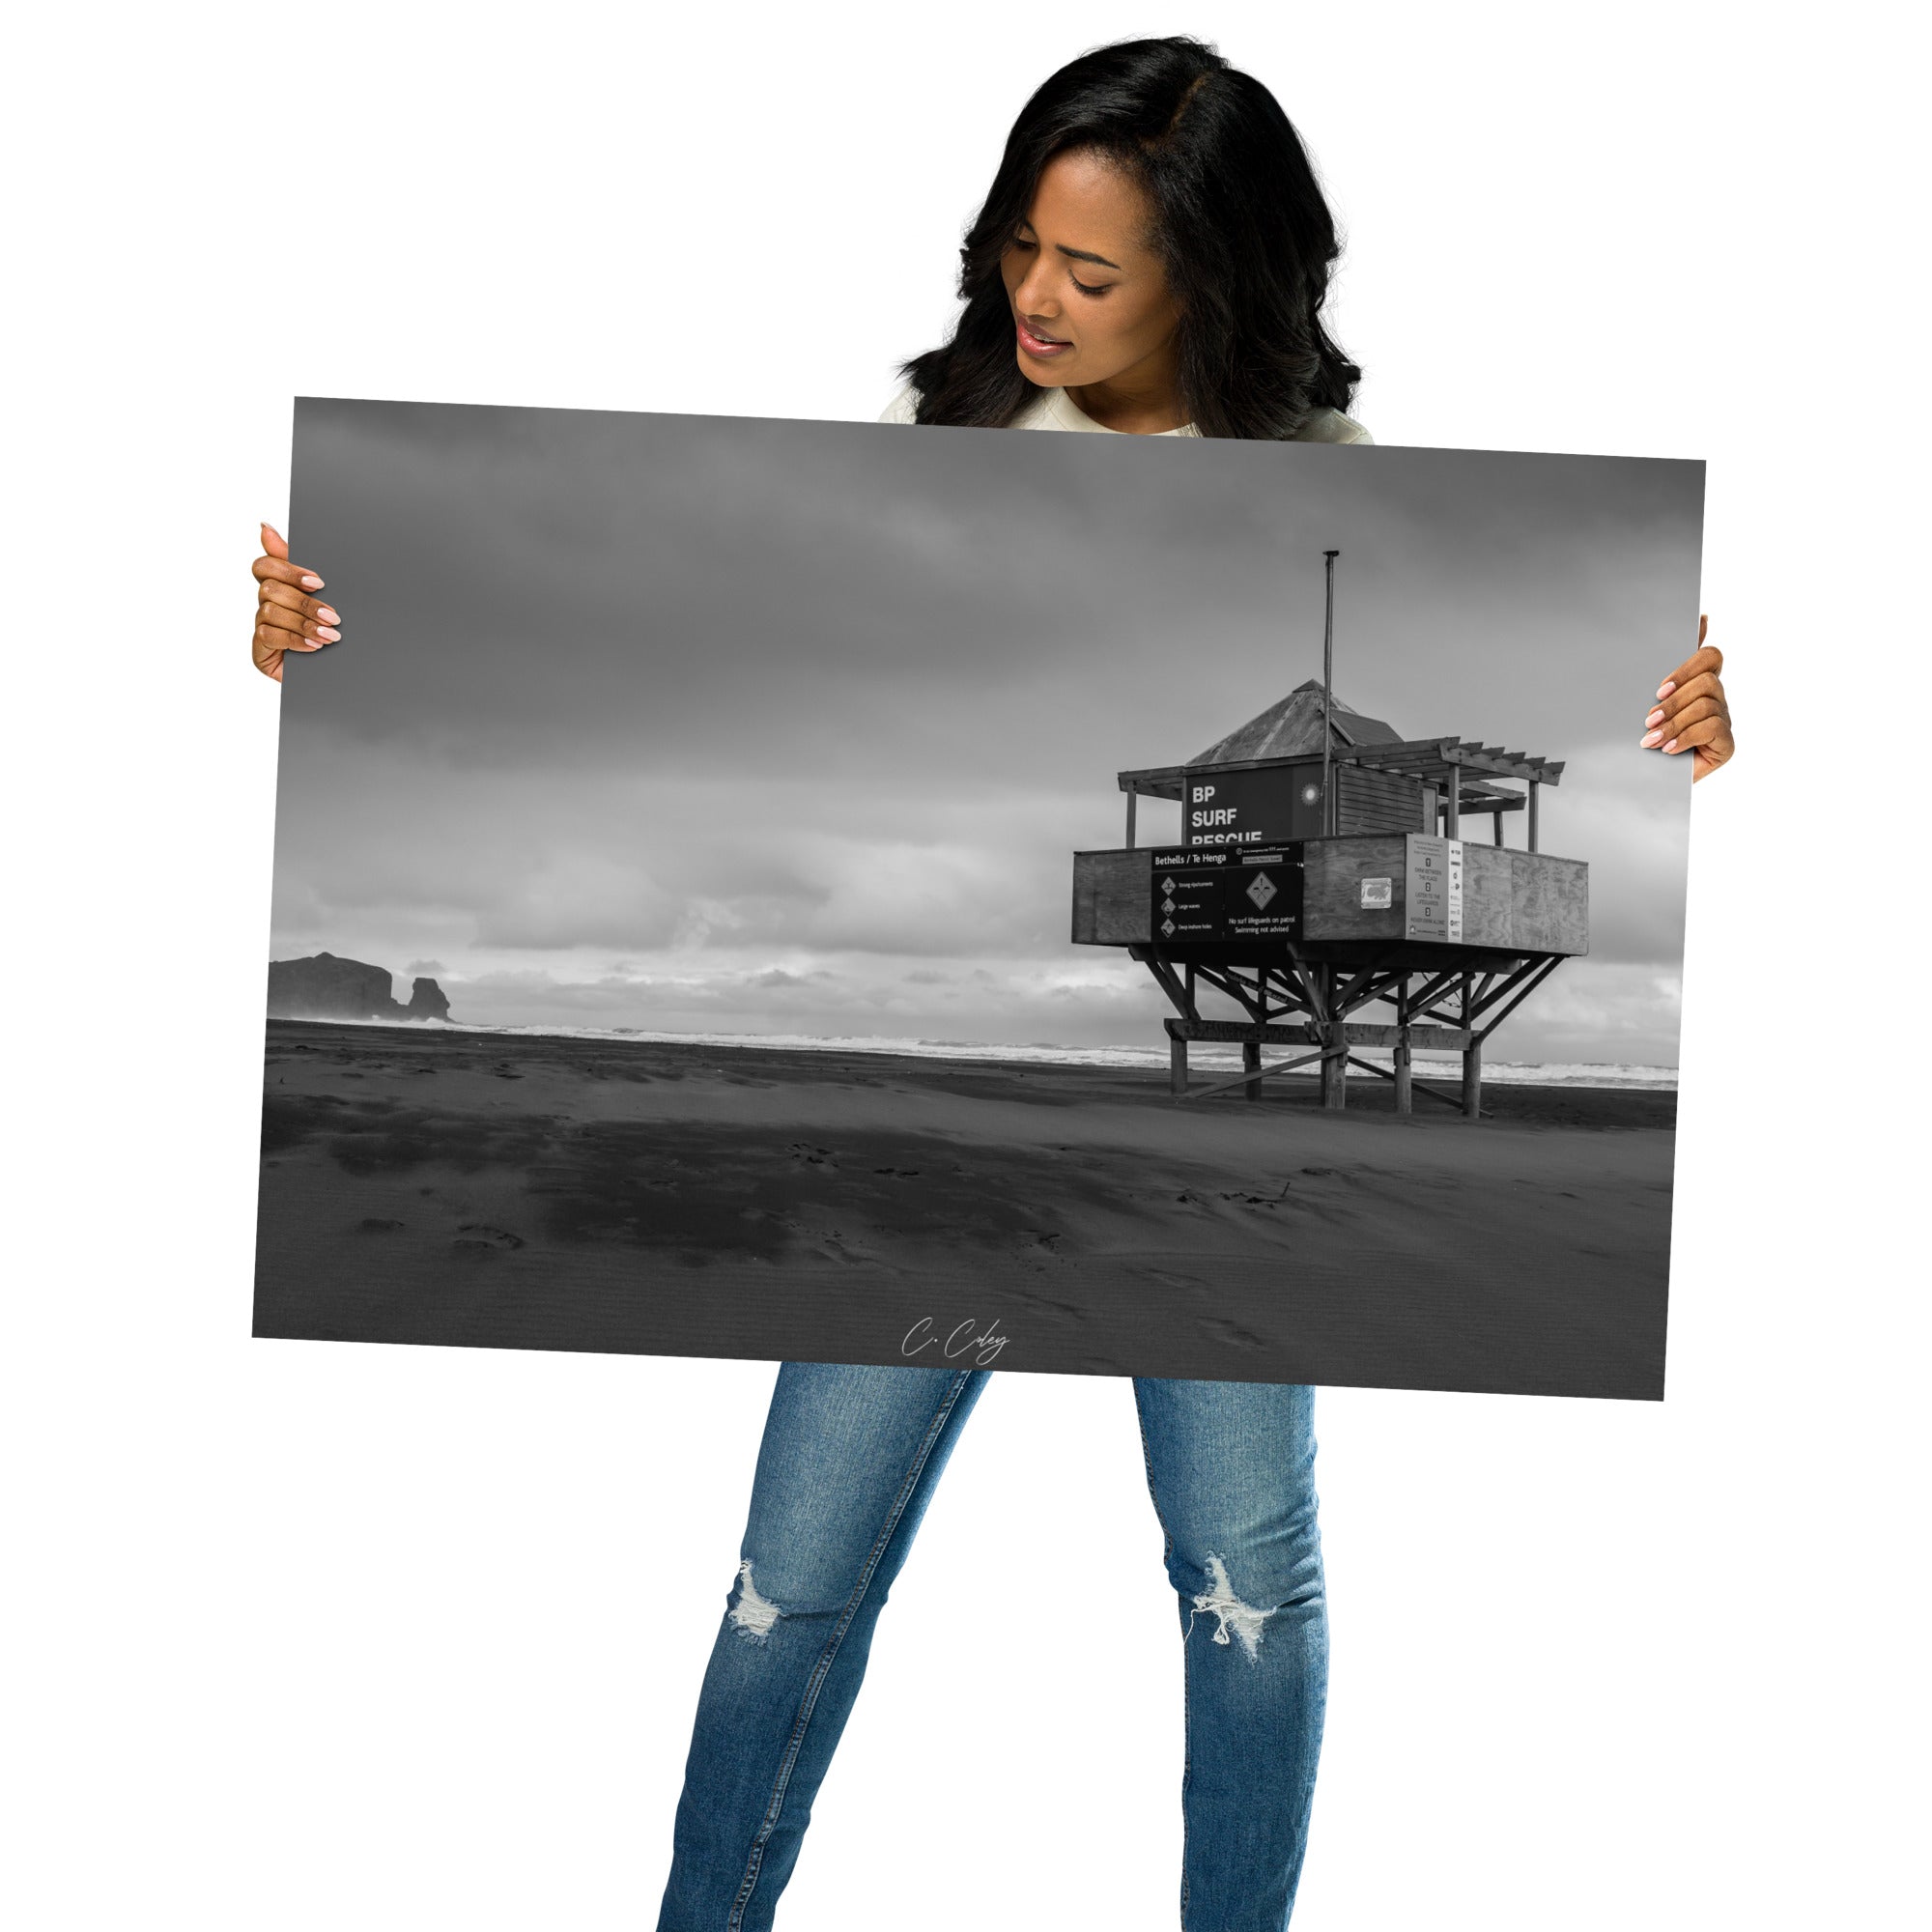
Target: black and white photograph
{"x":856,"y":893}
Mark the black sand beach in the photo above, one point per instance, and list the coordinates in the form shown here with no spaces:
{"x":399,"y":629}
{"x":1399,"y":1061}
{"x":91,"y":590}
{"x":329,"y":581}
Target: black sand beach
{"x":431,"y":1186}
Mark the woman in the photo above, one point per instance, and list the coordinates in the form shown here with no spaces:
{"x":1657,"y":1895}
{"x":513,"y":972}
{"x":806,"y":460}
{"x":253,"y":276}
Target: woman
{"x":1152,"y":259}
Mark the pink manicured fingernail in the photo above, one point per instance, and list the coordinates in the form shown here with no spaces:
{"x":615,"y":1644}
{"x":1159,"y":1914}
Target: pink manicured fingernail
{"x":1672,"y":745}
{"x":311,"y":582}
{"x":1665,"y":689}
{"x":1654,"y":717}
{"x":329,"y":617}
{"x":327,"y":636}
{"x":1652,"y":739}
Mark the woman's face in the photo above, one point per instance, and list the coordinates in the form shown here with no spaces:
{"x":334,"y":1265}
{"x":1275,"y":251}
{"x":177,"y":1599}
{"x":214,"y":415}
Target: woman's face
{"x":1090,"y":300}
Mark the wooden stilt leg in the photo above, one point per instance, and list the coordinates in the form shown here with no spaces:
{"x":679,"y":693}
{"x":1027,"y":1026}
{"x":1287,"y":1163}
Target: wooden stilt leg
{"x":1405,"y":1097}
{"x":1472,"y":1055}
{"x":1335,"y":1054}
{"x":1251,"y":1063}
{"x":1177,"y":1066}
{"x":1335,"y":1074}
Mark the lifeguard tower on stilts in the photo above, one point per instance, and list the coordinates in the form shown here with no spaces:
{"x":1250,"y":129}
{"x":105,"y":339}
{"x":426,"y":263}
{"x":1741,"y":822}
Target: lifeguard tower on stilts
{"x":1323,"y":874}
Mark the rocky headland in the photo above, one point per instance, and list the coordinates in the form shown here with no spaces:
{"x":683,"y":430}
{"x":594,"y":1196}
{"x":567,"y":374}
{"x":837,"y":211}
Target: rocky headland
{"x":323,"y":987}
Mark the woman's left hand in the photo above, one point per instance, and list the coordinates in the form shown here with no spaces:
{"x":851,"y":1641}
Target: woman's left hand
{"x":1692,"y":714}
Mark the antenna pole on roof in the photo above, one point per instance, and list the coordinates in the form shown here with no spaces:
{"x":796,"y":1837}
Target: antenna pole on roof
{"x":1328,"y":820}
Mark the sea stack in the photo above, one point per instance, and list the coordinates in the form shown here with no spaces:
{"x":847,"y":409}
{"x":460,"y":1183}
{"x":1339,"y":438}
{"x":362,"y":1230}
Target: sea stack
{"x":427,"y":1002}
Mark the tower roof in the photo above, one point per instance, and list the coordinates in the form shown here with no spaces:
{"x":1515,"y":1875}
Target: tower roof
{"x":1292,"y":726}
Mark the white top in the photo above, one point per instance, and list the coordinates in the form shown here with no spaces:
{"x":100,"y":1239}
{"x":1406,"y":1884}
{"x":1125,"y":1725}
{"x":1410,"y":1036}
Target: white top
{"x":1054,"y":408}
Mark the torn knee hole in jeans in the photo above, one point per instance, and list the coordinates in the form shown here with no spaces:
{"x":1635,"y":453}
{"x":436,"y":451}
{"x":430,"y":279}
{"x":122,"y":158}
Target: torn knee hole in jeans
{"x":1242,"y":1621}
{"x":753,"y":1615}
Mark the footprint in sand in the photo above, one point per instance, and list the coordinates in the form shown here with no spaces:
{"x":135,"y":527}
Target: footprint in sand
{"x":375,"y":1225}
{"x":476,"y":1238}
{"x":811,"y":1156}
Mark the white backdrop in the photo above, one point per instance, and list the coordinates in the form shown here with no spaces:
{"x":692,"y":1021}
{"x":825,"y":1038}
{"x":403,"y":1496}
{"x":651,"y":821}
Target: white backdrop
{"x":304,"y":1636}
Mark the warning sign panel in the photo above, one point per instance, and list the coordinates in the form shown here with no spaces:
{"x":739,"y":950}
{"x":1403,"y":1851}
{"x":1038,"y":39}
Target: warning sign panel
{"x":1227,"y":894}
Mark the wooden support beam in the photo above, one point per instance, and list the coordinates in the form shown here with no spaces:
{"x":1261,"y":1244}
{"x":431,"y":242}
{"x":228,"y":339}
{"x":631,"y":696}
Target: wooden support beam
{"x":1432,"y":991}
{"x":1243,"y":1078}
{"x":1177,"y":1065}
{"x":1294,"y":996}
{"x":1251,"y":1064}
{"x":1535,"y":786}
{"x":1133,"y":799}
{"x":1167,"y":979}
{"x":1472,"y":1079}
{"x":1488,"y":995}
{"x":1430,"y":1039}
{"x":1383,"y":989}
{"x":1212,"y":976}
{"x":1540,"y":972}
{"x":1255,"y":1001}
{"x":1227,"y":980}
{"x":1343,"y":999}
{"x":1310,"y":990}
{"x":1403,"y":1085}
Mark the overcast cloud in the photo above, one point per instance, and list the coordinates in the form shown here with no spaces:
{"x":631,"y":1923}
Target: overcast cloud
{"x":747,"y":726}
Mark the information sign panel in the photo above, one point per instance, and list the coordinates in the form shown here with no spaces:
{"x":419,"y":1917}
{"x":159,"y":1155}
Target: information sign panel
{"x":1435,"y":889}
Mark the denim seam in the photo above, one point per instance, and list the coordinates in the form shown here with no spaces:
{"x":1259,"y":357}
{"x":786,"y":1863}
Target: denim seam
{"x":1147,"y":1464}
{"x":1187,"y":1701}
{"x":809,"y":1704}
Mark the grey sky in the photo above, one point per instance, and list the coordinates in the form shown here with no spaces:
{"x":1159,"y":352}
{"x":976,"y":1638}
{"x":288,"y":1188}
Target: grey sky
{"x":756,"y":726}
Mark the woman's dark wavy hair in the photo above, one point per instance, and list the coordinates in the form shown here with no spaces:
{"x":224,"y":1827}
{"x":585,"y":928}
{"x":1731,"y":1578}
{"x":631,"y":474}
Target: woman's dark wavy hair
{"x":1240,"y":226}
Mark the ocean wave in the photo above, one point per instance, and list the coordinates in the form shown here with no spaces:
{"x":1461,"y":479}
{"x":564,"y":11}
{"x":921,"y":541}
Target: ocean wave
{"x":1205,"y":1055}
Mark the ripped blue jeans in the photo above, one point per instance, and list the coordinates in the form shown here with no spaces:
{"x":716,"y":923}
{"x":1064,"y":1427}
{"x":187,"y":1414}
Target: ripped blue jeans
{"x":849,"y":1462}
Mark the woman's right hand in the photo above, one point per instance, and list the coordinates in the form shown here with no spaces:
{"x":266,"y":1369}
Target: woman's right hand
{"x":286,"y":619}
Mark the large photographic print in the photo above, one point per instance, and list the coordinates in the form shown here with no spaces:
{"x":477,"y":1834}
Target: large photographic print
{"x":852,"y":893}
